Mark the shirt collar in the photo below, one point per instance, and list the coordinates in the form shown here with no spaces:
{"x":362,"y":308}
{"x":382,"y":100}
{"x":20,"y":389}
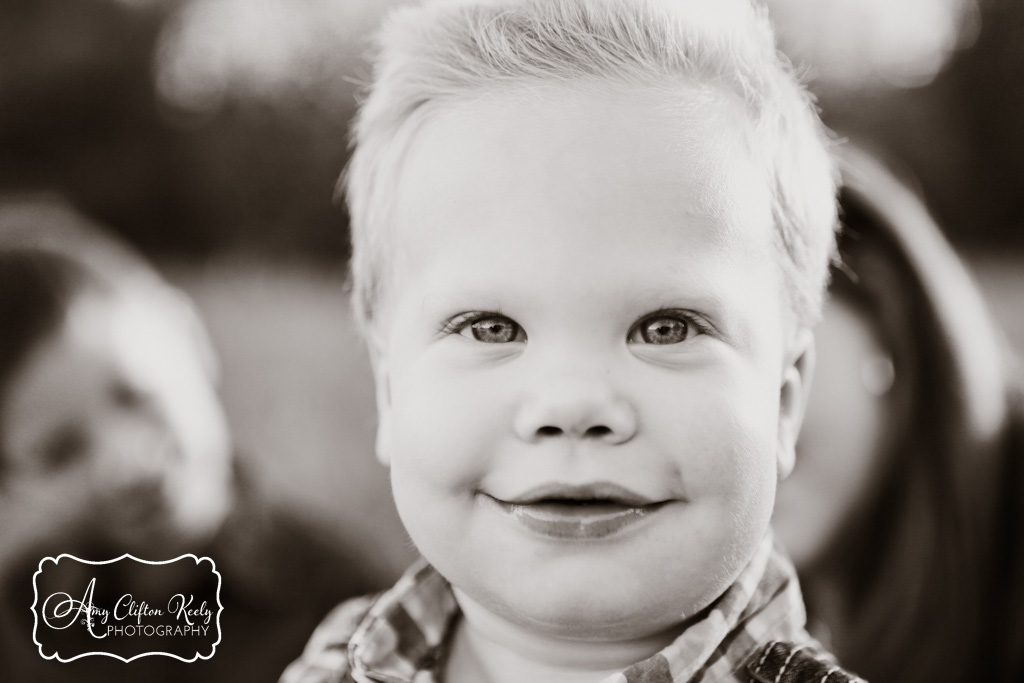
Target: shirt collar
{"x":404,"y":636}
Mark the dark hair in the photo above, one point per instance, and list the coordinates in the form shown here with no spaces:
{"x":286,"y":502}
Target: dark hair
{"x":49,"y":254}
{"x":36,"y":291}
{"x":930,"y":568}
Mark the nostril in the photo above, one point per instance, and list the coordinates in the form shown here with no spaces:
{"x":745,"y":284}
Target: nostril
{"x":597,"y":431}
{"x":549,"y":431}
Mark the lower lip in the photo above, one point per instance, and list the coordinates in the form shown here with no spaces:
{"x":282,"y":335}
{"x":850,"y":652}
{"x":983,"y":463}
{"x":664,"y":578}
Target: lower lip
{"x":578,"y":522}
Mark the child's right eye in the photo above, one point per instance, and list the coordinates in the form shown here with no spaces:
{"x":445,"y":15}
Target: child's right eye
{"x":489,"y":328}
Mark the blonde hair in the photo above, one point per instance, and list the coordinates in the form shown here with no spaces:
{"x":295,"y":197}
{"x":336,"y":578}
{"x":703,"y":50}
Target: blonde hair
{"x":444,"y":52}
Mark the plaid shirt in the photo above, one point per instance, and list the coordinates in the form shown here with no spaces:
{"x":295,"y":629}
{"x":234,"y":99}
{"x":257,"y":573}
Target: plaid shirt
{"x":752,"y":633}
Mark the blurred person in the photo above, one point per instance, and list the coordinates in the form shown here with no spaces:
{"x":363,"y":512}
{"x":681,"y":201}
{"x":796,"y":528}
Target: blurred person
{"x":903,"y":513}
{"x":147,"y":453}
{"x":113,"y":441}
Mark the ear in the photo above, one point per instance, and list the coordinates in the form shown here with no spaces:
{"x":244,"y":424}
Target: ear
{"x":793,"y":395}
{"x":382,"y":386}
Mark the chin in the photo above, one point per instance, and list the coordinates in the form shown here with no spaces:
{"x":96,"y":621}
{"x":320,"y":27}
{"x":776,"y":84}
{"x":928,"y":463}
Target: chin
{"x":592,"y":608}
{"x":598,"y":619}
{"x":149,"y":544}
{"x":160,"y":540}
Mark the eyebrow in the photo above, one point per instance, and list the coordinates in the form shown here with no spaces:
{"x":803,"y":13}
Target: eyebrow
{"x":665,"y":297}
{"x":461,"y":297}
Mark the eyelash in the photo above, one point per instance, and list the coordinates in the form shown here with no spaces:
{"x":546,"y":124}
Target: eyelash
{"x":459,"y":322}
{"x":700,"y":325}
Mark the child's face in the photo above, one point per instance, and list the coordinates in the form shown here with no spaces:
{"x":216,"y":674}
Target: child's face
{"x":584,"y":381}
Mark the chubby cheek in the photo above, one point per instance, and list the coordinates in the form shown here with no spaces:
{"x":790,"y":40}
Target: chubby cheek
{"x":725,"y":439}
{"x":445,"y":430}
{"x":438,"y":458}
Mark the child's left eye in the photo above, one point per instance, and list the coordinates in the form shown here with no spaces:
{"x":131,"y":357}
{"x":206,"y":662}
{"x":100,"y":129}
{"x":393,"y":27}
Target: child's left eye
{"x":664,"y":328}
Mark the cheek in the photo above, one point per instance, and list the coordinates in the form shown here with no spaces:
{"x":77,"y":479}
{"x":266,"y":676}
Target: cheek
{"x":724,"y":434}
{"x":445,"y":426}
{"x":441,"y":442}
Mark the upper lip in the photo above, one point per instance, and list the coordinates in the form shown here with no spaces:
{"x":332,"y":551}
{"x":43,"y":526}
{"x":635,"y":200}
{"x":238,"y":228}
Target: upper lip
{"x":597,"y":491}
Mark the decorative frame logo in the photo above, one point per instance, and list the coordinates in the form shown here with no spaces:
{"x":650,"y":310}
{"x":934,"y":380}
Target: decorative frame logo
{"x":113,"y":609}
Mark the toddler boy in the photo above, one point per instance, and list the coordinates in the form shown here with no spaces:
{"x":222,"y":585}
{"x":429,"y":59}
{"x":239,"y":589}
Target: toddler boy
{"x":589,"y":239}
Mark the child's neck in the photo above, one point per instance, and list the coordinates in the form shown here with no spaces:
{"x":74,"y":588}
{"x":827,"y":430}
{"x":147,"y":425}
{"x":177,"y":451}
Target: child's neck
{"x":488,"y":648}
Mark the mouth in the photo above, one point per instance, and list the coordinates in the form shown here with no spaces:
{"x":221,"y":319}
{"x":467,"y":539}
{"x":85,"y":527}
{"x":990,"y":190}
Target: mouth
{"x":584,"y":512}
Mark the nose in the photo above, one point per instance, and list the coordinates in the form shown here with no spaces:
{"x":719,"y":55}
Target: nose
{"x":137,"y":450}
{"x":577,"y":409}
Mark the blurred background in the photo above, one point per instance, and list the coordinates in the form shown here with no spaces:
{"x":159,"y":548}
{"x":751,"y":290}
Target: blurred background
{"x":209,"y":134}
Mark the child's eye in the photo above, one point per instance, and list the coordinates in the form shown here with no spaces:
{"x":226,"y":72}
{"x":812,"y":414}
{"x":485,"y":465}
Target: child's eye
{"x":488,"y":328}
{"x":664,"y":328}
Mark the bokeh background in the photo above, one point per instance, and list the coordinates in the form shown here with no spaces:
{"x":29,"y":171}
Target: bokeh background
{"x":209,"y":134}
